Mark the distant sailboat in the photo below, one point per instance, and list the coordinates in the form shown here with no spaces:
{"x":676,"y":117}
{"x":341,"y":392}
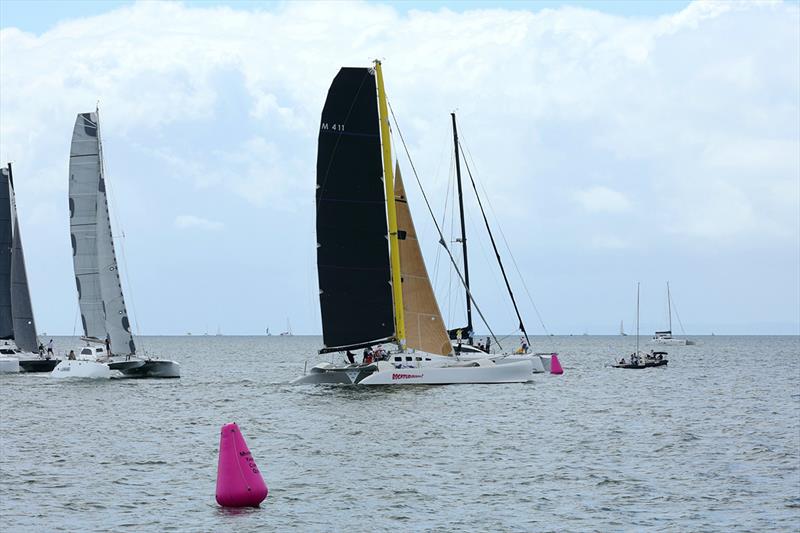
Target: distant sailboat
{"x":109,"y":341}
{"x":17,"y":326}
{"x":665,"y":337}
{"x":288,"y":332}
{"x":268,"y":333}
{"x":639,"y":360}
{"x":622,"y":329}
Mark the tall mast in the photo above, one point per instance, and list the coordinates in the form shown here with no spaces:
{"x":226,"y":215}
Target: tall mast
{"x":463,"y":228}
{"x":669,"y":308}
{"x":388,"y":179}
{"x":637,"y":318}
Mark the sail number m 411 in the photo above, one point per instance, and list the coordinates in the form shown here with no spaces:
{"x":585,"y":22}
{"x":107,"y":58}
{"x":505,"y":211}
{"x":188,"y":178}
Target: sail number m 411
{"x":332,"y":127}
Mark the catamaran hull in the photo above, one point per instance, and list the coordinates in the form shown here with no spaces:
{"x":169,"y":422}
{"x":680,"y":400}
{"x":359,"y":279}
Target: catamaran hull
{"x":517,"y":372}
{"x":9,"y":365}
{"x":155,"y":368}
{"x":81,"y":369}
{"x":672,"y":342}
{"x":38,"y":365}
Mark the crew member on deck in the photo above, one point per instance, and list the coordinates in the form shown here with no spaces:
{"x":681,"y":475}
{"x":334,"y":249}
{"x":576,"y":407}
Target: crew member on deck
{"x":71,"y":355}
{"x":108,"y":345}
{"x":50,"y":349}
{"x":367,"y":356}
{"x":351,"y":357}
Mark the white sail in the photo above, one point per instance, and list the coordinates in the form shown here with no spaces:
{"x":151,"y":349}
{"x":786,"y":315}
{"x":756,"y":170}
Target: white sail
{"x":103,"y":312}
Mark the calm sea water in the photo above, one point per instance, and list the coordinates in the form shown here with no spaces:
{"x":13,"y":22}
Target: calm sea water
{"x":711,"y":443}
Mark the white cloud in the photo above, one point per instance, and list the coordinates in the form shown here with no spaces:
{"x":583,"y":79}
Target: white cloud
{"x":194,"y":222}
{"x":602,"y":199}
{"x":686,"y":124}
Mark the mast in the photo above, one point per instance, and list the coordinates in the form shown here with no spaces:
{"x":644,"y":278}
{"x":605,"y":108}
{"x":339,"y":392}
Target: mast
{"x":637,"y":318}
{"x":394,"y":247}
{"x":463,"y":227}
{"x":669,"y":308}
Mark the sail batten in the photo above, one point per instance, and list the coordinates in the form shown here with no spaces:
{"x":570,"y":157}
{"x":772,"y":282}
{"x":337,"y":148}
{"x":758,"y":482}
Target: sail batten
{"x":352,"y":235}
{"x":425,"y":329}
{"x":103,"y":312}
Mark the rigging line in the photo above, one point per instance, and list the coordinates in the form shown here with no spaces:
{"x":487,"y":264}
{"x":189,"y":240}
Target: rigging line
{"x":466,"y":151}
{"x":683,"y":331}
{"x":496,"y":252}
{"x":438,"y":229}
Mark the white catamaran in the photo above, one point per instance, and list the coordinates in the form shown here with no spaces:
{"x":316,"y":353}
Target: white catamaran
{"x":107,"y":330}
{"x":665,"y":338}
{"x":370,"y":292}
{"x":18,"y":339}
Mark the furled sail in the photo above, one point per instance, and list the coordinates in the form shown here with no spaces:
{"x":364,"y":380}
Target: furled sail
{"x":352,"y":245}
{"x":21,"y":308}
{"x":425,"y":329}
{"x":103,"y":312}
{"x":6,"y":245}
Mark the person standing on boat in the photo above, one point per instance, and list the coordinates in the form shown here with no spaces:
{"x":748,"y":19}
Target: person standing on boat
{"x":41,"y":350}
{"x":50,"y":349}
{"x":71,"y":355}
{"x":108,"y":345}
{"x":367,"y":356}
{"x":351,"y":357}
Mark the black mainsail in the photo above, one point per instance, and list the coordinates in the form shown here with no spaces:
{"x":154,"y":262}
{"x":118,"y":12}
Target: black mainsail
{"x":6,"y":245}
{"x":15,"y":297}
{"x":352,"y":236}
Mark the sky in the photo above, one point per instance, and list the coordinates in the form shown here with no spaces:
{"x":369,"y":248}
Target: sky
{"x":616,"y":143}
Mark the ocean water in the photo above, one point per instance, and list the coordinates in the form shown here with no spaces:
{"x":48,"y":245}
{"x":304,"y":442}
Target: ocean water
{"x":711,"y":443}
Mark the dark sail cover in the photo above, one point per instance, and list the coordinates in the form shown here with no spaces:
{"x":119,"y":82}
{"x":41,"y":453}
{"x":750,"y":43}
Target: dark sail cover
{"x":352,"y":244}
{"x":6,"y":243}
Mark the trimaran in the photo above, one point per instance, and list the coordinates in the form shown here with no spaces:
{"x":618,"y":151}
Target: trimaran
{"x":109,"y":343}
{"x":371,"y":293}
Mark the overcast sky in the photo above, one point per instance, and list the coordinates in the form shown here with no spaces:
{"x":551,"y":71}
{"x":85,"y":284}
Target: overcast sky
{"x":616,"y":142}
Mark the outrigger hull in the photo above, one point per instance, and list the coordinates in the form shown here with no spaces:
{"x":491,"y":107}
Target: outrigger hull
{"x":38,"y":365}
{"x":328,"y":374}
{"x":153,"y":368}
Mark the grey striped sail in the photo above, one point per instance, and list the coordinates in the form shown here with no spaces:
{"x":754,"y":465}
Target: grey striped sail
{"x":102,"y":305}
{"x":16,"y":312}
{"x":352,"y":236}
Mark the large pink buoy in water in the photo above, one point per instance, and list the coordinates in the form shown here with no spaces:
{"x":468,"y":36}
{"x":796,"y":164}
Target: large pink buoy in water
{"x":555,"y":365}
{"x":239,"y":482}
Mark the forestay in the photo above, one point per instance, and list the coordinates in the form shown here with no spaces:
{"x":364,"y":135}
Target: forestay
{"x":100,"y":297}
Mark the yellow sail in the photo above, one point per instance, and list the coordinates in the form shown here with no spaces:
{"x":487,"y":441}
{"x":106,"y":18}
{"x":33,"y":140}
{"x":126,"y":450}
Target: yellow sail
{"x":425,"y":329}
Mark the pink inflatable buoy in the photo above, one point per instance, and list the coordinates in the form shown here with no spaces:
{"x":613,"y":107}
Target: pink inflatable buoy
{"x":555,"y":365}
{"x":239,"y":482}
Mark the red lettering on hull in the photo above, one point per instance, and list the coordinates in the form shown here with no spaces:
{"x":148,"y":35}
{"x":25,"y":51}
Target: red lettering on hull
{"x":406,"y":376}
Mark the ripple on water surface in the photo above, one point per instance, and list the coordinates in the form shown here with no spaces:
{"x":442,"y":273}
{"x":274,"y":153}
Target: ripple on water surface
{"x":705,"y":444}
